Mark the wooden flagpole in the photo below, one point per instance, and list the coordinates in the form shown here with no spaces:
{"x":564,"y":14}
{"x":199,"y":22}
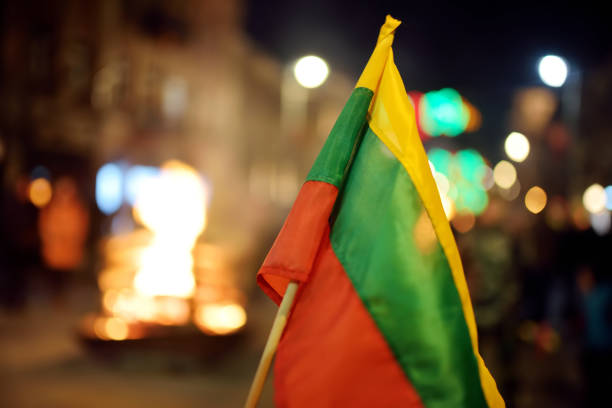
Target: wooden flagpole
{"x":280,"y":321}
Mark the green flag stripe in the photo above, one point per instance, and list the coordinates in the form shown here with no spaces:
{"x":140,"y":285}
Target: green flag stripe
{"x":409,"y":291}
{"x":333,"y":160}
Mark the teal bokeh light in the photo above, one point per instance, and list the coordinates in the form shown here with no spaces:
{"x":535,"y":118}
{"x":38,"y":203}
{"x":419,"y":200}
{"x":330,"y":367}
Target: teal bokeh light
{"x":444,"y":113}
{"x":465,"y":171}
{"x":441,"y":159}
{"x":472,"y":165}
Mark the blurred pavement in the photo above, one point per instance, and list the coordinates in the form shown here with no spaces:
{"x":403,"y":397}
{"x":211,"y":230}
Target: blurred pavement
{"x":43,"y":364}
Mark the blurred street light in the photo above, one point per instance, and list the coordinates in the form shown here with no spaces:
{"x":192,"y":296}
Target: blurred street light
{"x":109,"y":188}
{"x":517,"y":146}
{"x":504,"y":174}
{"x":553,"y":70}
{"x":459,"y":177}
{"x":40,"y":192}
{"x":608,"y":191}
{"x":311,"y":71}
{"x":535,"y":199}
{"x":594,"y":199}
{"x":297,"y":79}
{"x":444,"y":112}
{"x":601,"y":222}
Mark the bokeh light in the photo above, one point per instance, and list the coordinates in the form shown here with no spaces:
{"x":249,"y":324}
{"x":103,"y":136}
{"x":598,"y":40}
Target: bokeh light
{"x":533,"y":109}
{"x":504,"y":174}
{"x":449,"y":207}
{"x":440,"y":159}
{"x":463,"y":222}
{"x":488,"y":181}
{"x":475,"y":118}
{"x":594,"y":198}
{"x":111,"y":328}
{"x":443,"y":113}
{"x":109,"y":188}
{"x":608,"y":191}
{"x":311,"y":71}
{"x":460,"y":179}
{"x":442,"y":183}
{"x":136,"y":179}
{"x":517,"y":146}
{"x":601,"y":222}
{"x":511,"y":193}
{"x":471,"y":198}
{"x":471,"y":165}
{"x":553,"y":70}
{"x":535,"y":199}
{"x":116,"y":328}
{"x":220,"y":319}
{"x":40,"y":192}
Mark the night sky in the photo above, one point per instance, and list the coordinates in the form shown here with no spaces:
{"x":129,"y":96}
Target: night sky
{"x":485,"y":51}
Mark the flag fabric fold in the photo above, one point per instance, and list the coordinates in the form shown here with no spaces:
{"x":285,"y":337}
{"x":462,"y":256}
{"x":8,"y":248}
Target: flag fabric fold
{"x":383,"y":316}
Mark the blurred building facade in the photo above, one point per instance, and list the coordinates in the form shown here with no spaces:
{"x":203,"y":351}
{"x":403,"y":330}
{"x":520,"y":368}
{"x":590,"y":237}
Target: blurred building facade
{"x":142,"y":82}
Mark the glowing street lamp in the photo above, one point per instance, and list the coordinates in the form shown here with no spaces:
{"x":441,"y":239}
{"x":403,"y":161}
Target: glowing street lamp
{"x":504,"y":174}
{"x":594,"y":199}
{"x":535,"y":199}
{"x":553,"y":70}
{"x":517,"y":147}
{"x":311,"y":71}
{"x":298,"y":78}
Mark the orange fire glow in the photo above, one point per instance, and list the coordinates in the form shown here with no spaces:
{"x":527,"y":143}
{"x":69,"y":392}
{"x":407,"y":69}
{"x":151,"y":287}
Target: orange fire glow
{"x":172,"y":206}
{"x":220,"y":318}
{"x":150,"y":274}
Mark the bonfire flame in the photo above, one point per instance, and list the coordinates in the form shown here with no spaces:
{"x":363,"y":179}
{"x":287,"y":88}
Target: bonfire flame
{"x":172,"y":207}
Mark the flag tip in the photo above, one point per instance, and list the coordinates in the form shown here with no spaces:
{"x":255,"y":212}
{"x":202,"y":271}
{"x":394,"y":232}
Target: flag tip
{"x":389,"y":27}
{"x":371,"y":74}
{"x":389,"y":20}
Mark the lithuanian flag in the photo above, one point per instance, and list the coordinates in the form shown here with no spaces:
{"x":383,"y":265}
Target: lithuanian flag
{"x":383,"y":316}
